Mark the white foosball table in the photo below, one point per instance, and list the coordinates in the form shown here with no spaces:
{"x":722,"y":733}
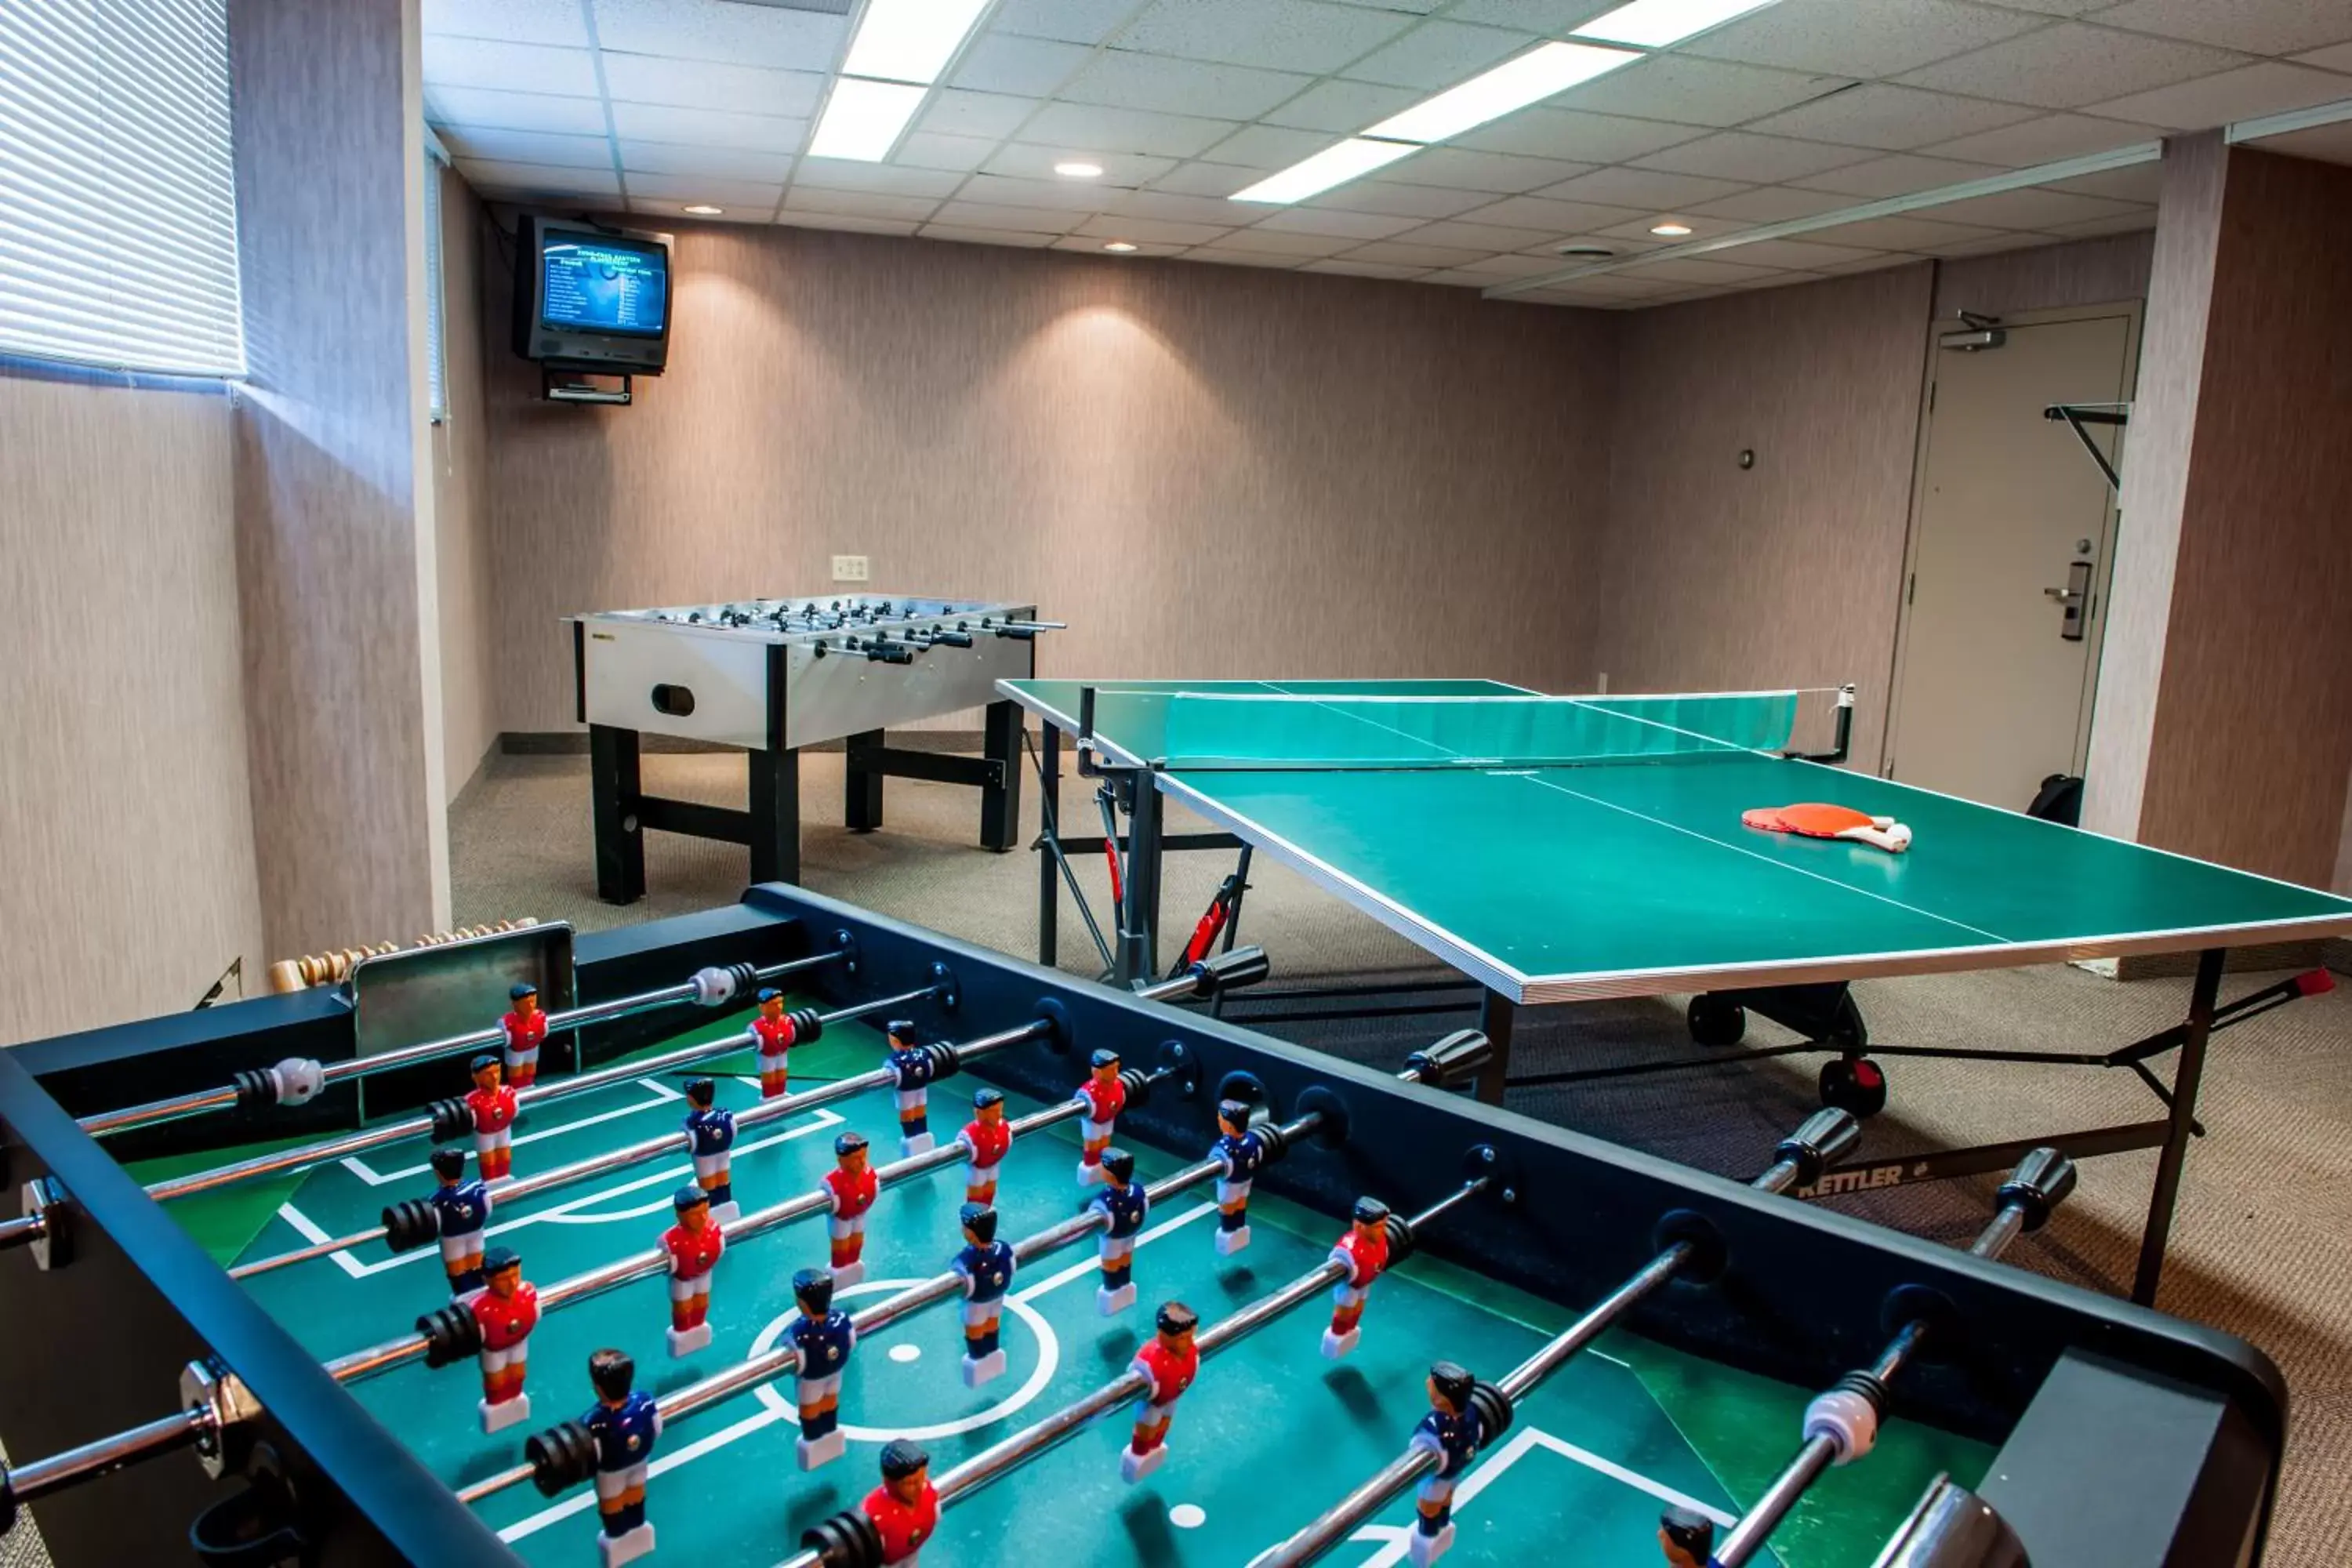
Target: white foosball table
{"x":775,"y":677}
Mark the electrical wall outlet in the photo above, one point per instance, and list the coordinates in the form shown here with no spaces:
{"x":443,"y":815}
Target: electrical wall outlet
{"x":852,"y":569}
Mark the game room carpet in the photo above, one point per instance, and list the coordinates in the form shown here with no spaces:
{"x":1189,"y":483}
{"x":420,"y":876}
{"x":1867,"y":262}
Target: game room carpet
{"x":2262,"y":1243}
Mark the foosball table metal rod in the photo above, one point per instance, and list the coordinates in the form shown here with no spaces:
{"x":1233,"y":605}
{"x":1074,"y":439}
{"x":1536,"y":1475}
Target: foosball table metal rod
{"x":436,"y":1125}
{"x":297,"y":1082}
{"x":1824,"y":1137}
{"x":215,"y":1406}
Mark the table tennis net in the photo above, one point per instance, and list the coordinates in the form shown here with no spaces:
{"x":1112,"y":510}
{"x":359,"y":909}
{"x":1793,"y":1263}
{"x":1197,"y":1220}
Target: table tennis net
{"x":1204,"y":731}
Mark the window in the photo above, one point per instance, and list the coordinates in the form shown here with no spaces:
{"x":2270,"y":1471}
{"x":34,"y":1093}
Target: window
{"x":118,"y":199}
{"x":437,"y":360}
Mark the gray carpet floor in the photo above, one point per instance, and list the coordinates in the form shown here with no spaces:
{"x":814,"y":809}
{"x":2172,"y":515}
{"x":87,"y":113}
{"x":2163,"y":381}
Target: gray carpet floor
{"x":2262,"y":1243}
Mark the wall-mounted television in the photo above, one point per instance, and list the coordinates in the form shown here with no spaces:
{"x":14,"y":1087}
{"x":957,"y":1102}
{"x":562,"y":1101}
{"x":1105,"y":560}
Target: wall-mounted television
{"x":590,"y":299}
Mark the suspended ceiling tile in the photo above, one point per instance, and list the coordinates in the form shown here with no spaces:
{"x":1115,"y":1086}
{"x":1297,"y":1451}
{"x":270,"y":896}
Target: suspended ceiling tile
{"x":1647,"y":188}
{"x":966,"y":234}
{"x":858,"y":204}
{"x":527,"y":147}
{"x":2068,"y":66}
{"x":991,"y":216}
{"x":953,"y":112}
{"x":544,"y":179}
{"x":1901,"y":234}
{"x":1693,"y":91}
{"x":1495,"y":268}
{"x":1801,"y":255}
{"x":1406,"y":253}
{"x":724,"y":31}
{"x":1634,"y":232}
{"x":514,"y":21}
{"x":2257,"y":26}
{"x":1282,"y":34}
{"x":1268,"y":146}
{"x":1072,"y":21}
{"x":1704,"y":269}
{"x":1001,"y":62}
{"x":1770,"y":203}
{"x":1074,"y":195}
{"x":886,"y":179}
{"x":1159,"y":231}
{"x":1438,"y":54}
{"x":1551,"y":217}
{"x":1095,"y":244}
{"x":701,"y":84}
{"x":1203,"y":178}
{"x":1123,"y":80}
{"x":707,"y":127}
{"x":2267,"y":87}
{"x":1463,"y":169}
{"x":1878,"y":37}
{"x":1574,"y":134}
{"x":721,"y":162}
{"x":481,"y":110}
{"x":846,"y":223}
{"x":1486,"y":236}
{"x":1104,"y":130}
{"x":2045,"y":141}
{"x":1300,"y":246}
{"x":1316,"y":220}
{"x":2141,"y":183}
{"x":1034,"y":161}
{"x":1174,"y":208}
{"x":495,"y":63}
{"x":1420,"y":203}
{"x":729,"y":194}
{"x":1896,"y":176}
{"x":2336,"y":59}
{"x":1749,"y":159}
{"x":1364,"y":269}
{"x":1895,"y":119}
{"x":1221,"y":256}
{"x":931,"y":150}
{"x":1343,"y":108}
{"x":657,"y":206}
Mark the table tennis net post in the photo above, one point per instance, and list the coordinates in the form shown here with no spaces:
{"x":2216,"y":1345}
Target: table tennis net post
{"x":1315,"y":731}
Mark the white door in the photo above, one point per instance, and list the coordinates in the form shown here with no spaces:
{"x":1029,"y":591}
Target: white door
{"x":2006,"y":594}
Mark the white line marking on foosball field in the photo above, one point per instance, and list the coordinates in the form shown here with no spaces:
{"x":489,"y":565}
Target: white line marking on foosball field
{"x":565,"y":1212}
{"x":1395,"y":1540}
{"x":769,"y":1415}
{"x":662,"y":1095}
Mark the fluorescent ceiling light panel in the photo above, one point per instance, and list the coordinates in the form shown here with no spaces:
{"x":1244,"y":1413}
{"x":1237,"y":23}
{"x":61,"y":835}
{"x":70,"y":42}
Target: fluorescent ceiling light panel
{"x":1654,"y":24}
{"x":862,"y":119}
{"x":911,"y":40}
{"x":1509,"y":87}
{"x":1335,"y":165}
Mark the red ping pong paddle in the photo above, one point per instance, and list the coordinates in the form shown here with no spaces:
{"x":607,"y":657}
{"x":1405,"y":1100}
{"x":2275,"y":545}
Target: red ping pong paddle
{"x":1814,"y":820}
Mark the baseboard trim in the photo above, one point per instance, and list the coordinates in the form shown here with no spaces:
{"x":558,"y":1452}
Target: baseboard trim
{"x":574,"y":742}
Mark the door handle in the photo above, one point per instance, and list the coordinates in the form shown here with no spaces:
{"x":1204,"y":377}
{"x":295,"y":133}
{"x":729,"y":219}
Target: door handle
{"x":2075,"y":599}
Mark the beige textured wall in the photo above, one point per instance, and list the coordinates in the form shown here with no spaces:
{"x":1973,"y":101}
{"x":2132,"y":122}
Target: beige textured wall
{"x":124,"y":801}
{"x":2156,"y":482}
{"x":334,"y":544}
{"x":461,"y":499}
{"x":1207,"y":470}
{"x":2252,"y":737}
{"x":2048,"y":277}
{"x":1788,"y":572}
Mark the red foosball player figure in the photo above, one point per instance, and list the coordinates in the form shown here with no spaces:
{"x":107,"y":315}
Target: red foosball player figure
{"x":1687,"y":1538}
{"x":493,"y":1106}
{"x":914,"y":1068}
{"x":822,"y":1336}
{"x":985,"y":1138}
{"x":850,"y":1187}
{"x":771,"y":1037}
{"x":525,"y":1027}
{"x":1453,"y":1431}
{"x":694,"y":1243}
{"x":1365,"y":1250}
{"x":905,"y":1508}
{"x":507,"y":1309}
{"x":624,"y":1423}
{"x":1104,"y":1097}
{"x":1170,"y":1361}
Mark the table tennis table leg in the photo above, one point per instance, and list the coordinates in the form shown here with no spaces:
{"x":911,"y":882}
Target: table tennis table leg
{"x":2167,"y":1191}
{"x":1495,"y":1011}
{"x":1138,"y":947}
{"x":1049,"y":809}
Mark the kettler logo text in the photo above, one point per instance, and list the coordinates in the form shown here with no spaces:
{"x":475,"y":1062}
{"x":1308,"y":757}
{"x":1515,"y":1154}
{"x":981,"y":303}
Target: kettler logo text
{"x":1862,"y":1179}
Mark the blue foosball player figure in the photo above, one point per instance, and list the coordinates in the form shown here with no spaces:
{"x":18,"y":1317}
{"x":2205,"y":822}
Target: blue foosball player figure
{"x":625,"y":1422}
{"x":986,"y":1265}
{"x":1123,"y":1199}
{"x":1453,"y":1431}
{"x":822,"y":1336}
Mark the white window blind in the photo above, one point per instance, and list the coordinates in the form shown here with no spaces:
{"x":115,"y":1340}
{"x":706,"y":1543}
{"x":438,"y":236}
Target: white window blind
{"x":118,"y":199}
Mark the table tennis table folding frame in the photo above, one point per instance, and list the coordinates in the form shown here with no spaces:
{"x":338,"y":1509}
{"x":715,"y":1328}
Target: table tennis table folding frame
{"x":1816,"y":1006}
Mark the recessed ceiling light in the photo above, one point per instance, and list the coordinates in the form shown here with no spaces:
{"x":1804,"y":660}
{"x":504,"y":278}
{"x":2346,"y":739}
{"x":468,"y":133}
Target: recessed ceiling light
{"x":1509,"y":87}
{"x":1585,"y":252}
{"x":911,"y":40}
{"x":1078,"y":169}
{"x":1122,"y":246}
{"x":1669,"y":229}
{"x":704,"y":209}
{"x":1335,"y":165}
{"x":1654,"y":24}
{"x":862,"y":120}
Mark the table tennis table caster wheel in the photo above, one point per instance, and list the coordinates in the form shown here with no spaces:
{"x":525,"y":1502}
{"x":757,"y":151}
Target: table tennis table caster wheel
{"x":1717,"y":1020}
{"x":1853,"y":1084}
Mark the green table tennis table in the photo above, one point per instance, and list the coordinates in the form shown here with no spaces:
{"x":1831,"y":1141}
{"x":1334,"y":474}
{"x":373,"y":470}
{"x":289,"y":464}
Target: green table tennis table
{"x":1563,"y":849}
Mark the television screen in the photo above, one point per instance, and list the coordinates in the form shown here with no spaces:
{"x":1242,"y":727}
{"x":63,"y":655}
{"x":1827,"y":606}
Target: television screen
{"x":593,"y":284}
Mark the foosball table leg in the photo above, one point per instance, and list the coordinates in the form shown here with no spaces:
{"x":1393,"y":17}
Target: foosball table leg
{"x":614,"y":790}
{"x":775,"y":817}
{"x":1000,"y":801}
